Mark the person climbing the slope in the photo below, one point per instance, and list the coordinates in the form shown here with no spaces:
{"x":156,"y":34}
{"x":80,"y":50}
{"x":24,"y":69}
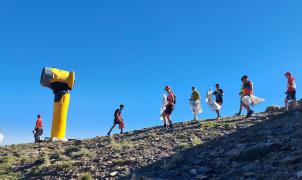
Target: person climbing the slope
{"x":170,"y":107}
{"x":218,"y":93}
{"x":291,"y":91}
{"x":245,"y":94}
{"x":118,"y":120}
{"x":38,"y":130}
{"x":195,"y":103}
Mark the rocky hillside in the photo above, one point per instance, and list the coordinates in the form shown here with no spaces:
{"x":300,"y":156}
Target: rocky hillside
{"x":265,"y":146}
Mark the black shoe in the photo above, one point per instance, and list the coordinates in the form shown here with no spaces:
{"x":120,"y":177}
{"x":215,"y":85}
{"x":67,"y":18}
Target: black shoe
{"x":171,"y":126}
{"x":249,"y":114}
{"x":238,"y":114}
{"x":165,"y":126}
{"x":252,"y":112}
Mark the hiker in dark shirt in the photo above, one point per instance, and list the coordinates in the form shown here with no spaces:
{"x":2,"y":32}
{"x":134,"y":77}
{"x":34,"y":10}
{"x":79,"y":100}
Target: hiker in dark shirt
{"x":218,"y":98}
{"x":118,"y":120}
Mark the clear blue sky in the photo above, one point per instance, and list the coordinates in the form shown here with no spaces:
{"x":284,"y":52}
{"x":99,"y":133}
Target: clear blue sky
{"x":127,"y":51}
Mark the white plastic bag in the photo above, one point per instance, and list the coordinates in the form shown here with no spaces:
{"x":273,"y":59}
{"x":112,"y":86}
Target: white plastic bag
{"x":252,"y":100}
{"x":256,"y":100}
{"x":196,"y":107}
{"x":246,"y":100}
{"x":1,"y":137}
{"x":163,"y":106}
{"x":210,"y":101}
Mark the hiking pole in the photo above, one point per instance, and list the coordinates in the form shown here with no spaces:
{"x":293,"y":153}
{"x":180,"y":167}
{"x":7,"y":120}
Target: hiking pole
{"x":61,"y":83}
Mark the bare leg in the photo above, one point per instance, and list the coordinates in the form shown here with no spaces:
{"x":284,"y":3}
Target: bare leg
{"x":108,"y":134}
{"x":240,"y":109}
{"x":36,"y":137}
{"x":195,"y":117}
{"x":218,"y":113}
{"x":169,"y":120}
{"x":165,"y":120}
{"x":248,"y":108}
{"x":286,"y":104}
{"x":296,"y":105}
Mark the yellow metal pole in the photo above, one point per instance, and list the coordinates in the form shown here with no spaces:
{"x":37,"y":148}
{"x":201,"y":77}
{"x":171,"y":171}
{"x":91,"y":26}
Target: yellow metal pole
{"x":60,"y":117}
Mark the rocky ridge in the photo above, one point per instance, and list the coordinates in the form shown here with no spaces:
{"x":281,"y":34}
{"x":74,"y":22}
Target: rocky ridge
{"x":265,"y":146}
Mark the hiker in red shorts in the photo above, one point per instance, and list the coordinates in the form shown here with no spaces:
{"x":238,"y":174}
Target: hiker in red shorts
{"x":118,"y":120}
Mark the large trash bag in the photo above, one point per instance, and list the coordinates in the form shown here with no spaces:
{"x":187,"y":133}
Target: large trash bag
{"x":163,"y":106}
{"x":1,"y":137}
{"x":252,"y":100}
{"x":210,"y":101}
{"x":196,"y":107}
{"x":246,"y":100}
{"x":256,"y":100}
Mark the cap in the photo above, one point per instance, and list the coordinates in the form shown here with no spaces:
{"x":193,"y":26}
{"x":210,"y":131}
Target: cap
{"x":244,"y":77}
{"x":167,"y":88}
{"x":288,"y":73}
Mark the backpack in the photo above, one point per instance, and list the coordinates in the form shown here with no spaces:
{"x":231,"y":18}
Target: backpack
{"x":116,"y":113}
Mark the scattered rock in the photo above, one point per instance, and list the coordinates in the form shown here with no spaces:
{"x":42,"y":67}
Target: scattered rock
{"x":299,"y":174}
{"x":194,"y":171}
{"x":204,"y":170}
{"x":201,"y":177}
{"x":264,"y":133}
{"x":290,"y":160}
{"x":234,"y":153}
{"x":113,"y":174}
{"x":250,"y":174}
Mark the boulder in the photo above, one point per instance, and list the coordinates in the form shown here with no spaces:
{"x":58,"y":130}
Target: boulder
{"x":273,"y":108}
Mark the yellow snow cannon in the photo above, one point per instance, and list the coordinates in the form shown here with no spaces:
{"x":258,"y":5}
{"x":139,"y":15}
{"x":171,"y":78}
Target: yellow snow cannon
{"x":61,"y":83}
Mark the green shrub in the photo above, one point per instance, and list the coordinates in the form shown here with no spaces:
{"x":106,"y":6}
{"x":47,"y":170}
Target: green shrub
{"x":196,"y":140}
{"x":82,"y":153}
{"x":184,"y":146}
{"x":86,"y":176}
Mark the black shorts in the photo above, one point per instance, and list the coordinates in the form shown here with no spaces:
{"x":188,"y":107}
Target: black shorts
{"x":39,"y":131}
{"x":219,"y":102}
{"x":169,"y":109}
{"x":291,"y":95}
{"x":116,"y":121}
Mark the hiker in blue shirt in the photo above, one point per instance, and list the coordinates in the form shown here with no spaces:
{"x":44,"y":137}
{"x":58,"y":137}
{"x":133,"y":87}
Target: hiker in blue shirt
{"x":218,"y":98}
